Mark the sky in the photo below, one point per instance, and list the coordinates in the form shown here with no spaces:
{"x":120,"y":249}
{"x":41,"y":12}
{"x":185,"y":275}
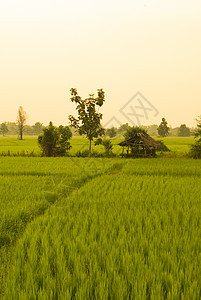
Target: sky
{"x":146,"y":55}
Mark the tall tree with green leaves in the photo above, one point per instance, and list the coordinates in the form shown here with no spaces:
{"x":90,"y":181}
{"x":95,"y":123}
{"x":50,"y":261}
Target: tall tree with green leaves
{"x":89,"y":117}
{"x":3,"y":128}
{"x":21,"y":121}
{"x":163,"y":129}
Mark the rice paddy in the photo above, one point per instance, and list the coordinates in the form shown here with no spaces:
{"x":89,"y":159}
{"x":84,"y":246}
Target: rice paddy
{"x":11,"y":144}
{"x":98,"y":228}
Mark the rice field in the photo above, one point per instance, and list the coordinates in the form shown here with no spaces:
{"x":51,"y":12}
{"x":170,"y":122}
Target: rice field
{"x":98,"y":228}
{"x":177,"y":145}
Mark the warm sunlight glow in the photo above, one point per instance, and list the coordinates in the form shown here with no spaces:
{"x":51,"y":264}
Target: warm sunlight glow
{"x":150,"y":46}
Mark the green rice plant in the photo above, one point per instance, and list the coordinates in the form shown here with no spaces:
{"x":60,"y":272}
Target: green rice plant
{"x":30,"y":186}
{"x":130,"y":234}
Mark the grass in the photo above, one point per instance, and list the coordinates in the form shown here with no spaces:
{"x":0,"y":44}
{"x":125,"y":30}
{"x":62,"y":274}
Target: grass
{"x":86,"y":228}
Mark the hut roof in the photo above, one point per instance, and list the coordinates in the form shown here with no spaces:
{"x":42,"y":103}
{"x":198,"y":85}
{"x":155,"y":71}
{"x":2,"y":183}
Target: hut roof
{"x":141,"y":137}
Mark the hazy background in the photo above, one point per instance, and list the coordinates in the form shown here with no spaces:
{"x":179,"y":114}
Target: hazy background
{"x":47,"y":47}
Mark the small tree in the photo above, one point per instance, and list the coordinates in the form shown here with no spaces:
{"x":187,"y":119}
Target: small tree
{"x":3,"y":128}
{"x":88,"y":121}
{"x":21,"y":121}
{"x":163,"y":129}
{"x":111,"y":132}
{"x":131,"y":131}
{"x":184,"y":131}
{"x":55,"y":141}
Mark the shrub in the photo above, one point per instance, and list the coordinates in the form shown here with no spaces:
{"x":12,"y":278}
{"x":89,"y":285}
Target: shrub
{"x":54,"y":141}
{"x":196,"y":150}
{"x":107,"y":144}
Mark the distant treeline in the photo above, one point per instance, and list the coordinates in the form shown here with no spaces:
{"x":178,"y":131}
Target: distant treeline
{"x":37,"y":128}
{"x":152,"y":130}
{"x":12,"y":129}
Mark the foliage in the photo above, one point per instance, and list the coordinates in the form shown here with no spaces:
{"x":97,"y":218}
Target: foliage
{"x":55,"y":141}
{"x":21,"y":121}
{"x":37,"y":128}
{"x":3,"y":128}
{"x":196,"y":148}
{"x":151,"y":130}
{"x":195,"y":151}
{"x":107,"y":144}
{"x":98,"y":142}
{"x":163,"y":129}
{"x":198,"y":131}
{"x":131,"y":131}
{"x":88,"y":121}
{"x":173,"y":131}
{"x":184,"y":130}
{"x":111,"y":132}
{"x":123,"y":128}
{"x":28,"y":130}
{"x":31,"y":130}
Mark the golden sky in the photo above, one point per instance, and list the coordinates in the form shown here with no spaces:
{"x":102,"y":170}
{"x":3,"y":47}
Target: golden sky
{"x":49,"y":46}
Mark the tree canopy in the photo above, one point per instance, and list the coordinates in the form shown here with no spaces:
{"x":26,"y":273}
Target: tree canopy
{"x":21,"y":121}
{"x":163,"y":129}
{"x":89,"y":118}
{"x":3,"y":128}
{"x":184,"y":131}
{"x":111,"y":132}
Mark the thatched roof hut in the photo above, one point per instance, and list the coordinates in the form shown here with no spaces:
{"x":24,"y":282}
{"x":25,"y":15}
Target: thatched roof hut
{"x":140,"y":145}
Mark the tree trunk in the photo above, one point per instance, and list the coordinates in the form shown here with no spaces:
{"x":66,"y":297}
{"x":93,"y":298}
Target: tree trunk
{"x":21,"y":133}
